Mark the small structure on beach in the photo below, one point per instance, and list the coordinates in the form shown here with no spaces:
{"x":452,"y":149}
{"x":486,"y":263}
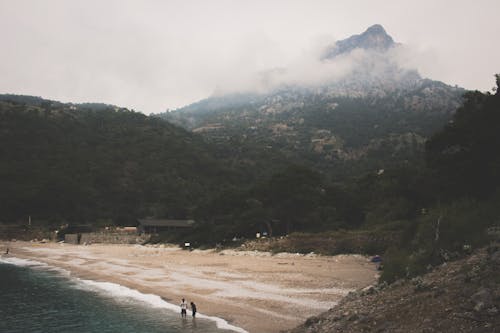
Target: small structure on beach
{"x":154,"y":226}
{"x":85,"y":235}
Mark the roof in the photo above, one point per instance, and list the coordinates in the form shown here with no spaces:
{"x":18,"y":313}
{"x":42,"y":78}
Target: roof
{"x":166,"y":223}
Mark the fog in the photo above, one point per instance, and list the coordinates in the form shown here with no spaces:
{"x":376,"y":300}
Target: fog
{"x":158,"y":55}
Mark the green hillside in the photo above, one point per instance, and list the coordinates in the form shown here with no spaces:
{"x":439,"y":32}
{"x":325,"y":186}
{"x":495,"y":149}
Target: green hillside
{"x":337,"y":135}
{"x":84,"y":162}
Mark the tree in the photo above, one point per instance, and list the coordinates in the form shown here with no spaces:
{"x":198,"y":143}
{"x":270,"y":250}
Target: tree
{"x":465,"y":154}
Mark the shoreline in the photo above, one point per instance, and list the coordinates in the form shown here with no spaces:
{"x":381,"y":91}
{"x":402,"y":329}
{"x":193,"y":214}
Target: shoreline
{"x":255,"y":291}
{"x":118,"y":291}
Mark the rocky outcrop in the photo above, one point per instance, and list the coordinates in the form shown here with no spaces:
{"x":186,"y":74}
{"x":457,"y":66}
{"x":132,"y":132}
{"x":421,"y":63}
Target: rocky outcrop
{"x":374,"y":38}
{"x":461,"y":296}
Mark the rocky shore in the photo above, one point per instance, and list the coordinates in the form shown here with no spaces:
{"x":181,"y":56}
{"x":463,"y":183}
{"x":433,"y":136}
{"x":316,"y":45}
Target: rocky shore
{"x":460,"y":296}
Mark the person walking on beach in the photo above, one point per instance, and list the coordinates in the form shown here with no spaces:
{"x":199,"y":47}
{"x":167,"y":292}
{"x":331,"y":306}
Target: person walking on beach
{"x":193,"y":309}
{"x":184,"y":307}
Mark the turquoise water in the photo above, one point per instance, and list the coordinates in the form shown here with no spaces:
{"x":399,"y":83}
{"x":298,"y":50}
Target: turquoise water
{"x":36,"y":298}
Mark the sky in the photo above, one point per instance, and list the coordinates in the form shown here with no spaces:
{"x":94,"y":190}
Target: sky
{"x":154,"y":55}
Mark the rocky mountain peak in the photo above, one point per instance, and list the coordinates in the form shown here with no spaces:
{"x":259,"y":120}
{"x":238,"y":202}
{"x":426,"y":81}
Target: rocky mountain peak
{"x":374,"y":38}
{"x":376,"y":29}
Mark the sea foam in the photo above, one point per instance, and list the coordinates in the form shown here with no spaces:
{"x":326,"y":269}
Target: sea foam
{"x":152,"y":300}
{"x":21,"y":262}
{"x":119,"y":291}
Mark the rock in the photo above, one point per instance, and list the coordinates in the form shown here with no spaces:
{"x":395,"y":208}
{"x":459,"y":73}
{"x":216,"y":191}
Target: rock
{"x":381,"y":286}
{"x":482,"y":299}
{"x":495,"y":258}
{"x":438,"y":291}
{"x":479,"y":306}
{"x":363,"y":319}
{"x":353,"y":317}
{"x":482,"y":330}
{"x":369,"y":291}
{"x":398,"y":283}
{"x":493,"y":311}
{"x":311,"y":321}
{"x":419,"y":284}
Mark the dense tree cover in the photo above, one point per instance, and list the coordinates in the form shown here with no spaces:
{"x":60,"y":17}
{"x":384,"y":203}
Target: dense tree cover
{"x":89,"y":162}
{"x":466,"y":154}
{"x":296,"y":199}
{"x":463,"y":161}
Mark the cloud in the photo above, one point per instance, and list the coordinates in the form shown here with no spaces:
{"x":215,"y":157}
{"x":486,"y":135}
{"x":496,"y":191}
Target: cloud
{"x":304,"y":69}
{"x":309,"y":70}
{"x":150,"y":55}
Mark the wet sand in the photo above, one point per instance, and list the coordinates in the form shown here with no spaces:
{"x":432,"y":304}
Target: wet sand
{"x":258,"y":291}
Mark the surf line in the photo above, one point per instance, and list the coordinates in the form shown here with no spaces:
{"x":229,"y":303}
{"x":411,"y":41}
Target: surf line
{"x":119,"y":291}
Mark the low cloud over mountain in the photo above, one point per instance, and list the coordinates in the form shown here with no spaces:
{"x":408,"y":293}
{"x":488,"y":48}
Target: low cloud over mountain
{"x":372,"y":57}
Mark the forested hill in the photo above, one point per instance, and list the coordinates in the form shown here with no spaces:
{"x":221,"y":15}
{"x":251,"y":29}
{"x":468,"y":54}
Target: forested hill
{"x":85,"y":162}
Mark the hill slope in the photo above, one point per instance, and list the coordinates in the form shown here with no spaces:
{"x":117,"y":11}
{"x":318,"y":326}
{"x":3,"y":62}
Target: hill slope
{"x":90,"y":161}
{"x":461,"y":296}
{"x":377,"y":115}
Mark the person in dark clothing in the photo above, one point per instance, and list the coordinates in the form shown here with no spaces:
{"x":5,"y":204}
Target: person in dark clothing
{"x":193,"y":309}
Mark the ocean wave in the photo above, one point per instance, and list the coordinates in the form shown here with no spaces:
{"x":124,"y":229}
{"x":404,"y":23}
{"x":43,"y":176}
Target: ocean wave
{"x":117,"y":290}
{"x":152,"y":300}
{"x":21,"y":262}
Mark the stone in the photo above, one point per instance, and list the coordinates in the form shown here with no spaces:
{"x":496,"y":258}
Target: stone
{"x":311,"y":321}
{"x":493,"y":311}
{"x":482,"y":299}
{"x":495,"y":258}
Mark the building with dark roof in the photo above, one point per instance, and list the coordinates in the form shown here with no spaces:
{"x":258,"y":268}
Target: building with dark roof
{"x":154,"y":226}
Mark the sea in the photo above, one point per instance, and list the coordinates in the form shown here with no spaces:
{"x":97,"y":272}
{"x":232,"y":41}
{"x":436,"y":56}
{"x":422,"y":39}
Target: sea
{"x":35,"y":297}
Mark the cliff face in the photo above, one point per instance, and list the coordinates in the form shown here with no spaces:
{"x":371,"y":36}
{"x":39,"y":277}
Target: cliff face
{"x":461,"y":296}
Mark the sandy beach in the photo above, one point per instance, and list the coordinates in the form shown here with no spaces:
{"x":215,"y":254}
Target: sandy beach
{"x":257,"y":291}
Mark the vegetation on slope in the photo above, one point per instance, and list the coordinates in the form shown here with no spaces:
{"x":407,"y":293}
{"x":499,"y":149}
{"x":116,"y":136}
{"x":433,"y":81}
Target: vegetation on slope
{"x":82,"y":163}
{"x":336,"y":134}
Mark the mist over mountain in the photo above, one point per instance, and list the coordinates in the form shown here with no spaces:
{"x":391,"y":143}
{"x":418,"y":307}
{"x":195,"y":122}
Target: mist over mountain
{"x":355,"y":65}
{"x":354,"y":104}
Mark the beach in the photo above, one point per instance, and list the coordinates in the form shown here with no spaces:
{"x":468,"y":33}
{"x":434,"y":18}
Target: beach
{"x":257,"y":291}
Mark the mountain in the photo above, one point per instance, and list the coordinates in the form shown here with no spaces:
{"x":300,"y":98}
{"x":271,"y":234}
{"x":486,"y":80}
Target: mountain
{"x":374,"y":38}
{"x":375,"y":115}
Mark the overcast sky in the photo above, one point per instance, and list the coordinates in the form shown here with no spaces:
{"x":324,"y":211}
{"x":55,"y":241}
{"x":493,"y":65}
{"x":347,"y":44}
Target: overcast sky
{"x":153,"y":55}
